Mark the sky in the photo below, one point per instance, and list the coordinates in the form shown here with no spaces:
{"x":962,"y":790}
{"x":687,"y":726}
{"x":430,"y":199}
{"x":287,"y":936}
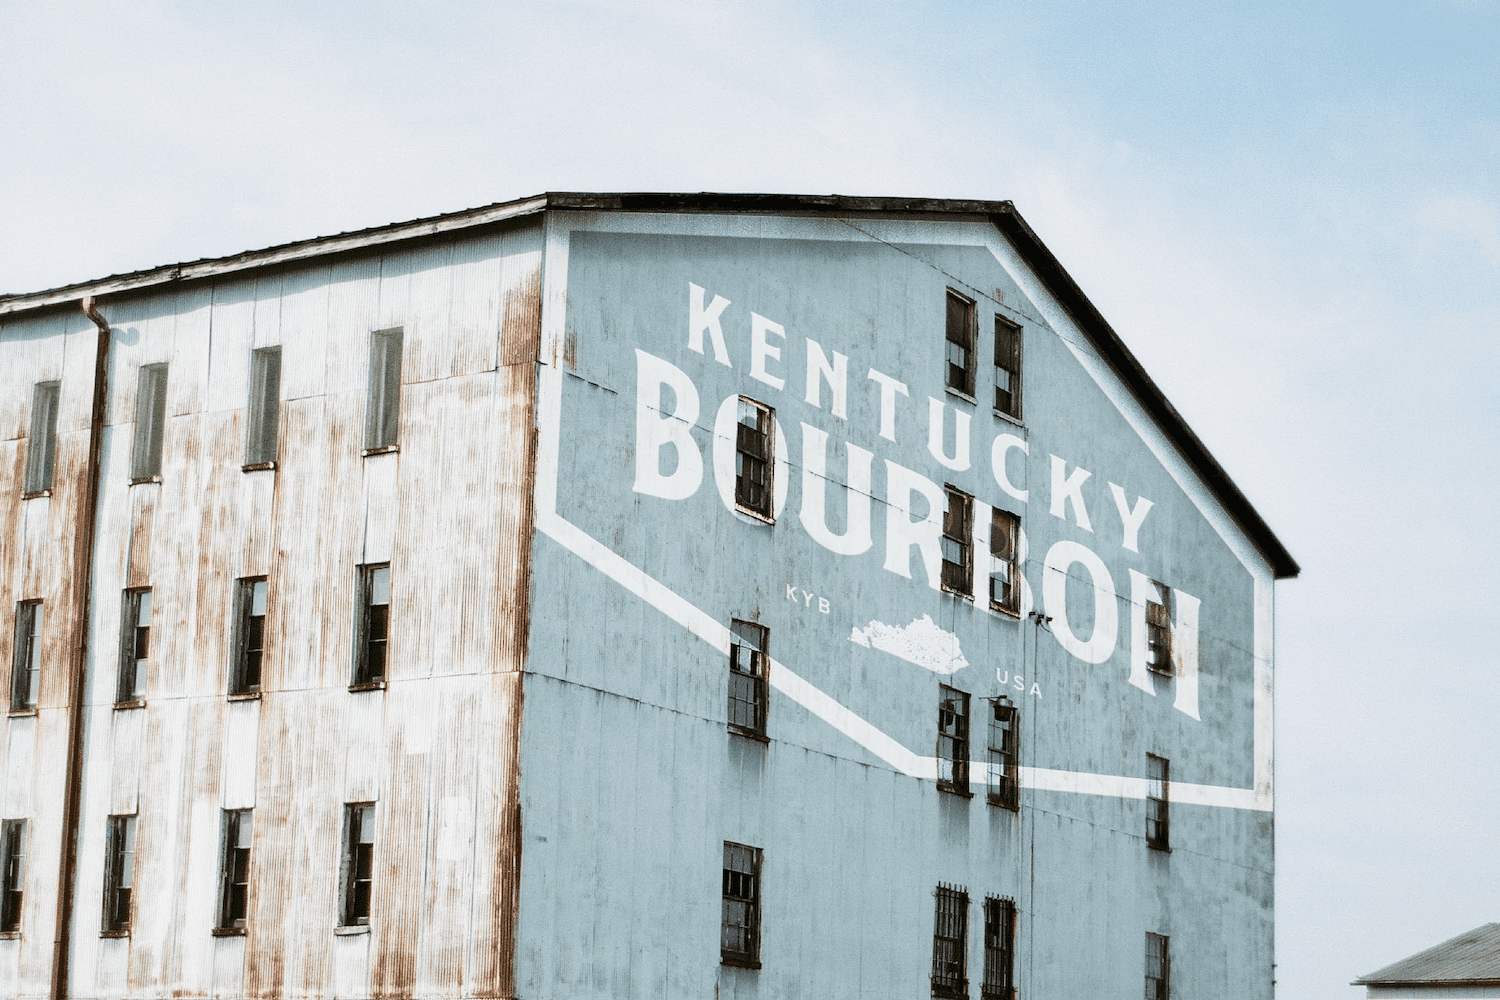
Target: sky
{"x":1289,"y":211}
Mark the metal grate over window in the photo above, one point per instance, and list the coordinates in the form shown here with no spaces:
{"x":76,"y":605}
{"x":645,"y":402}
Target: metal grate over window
{"x":953,"y":740}
{"x":748,"y":667}
{"x":1003,"y":777}
{"x":752,"y":457}
{"x":150,"y":422}
{"x":41,"y":445}
{"x":265,"y":406}
{"x":950,"y":938}
{"x":1157,"y":775}
{"x":999,"y":949}
{"x":383,"y":409}
{"x":739,"y":931}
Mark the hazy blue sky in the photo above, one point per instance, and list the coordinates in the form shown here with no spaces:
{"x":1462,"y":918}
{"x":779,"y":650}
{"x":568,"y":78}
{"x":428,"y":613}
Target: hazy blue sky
{"x":1290,"y":211}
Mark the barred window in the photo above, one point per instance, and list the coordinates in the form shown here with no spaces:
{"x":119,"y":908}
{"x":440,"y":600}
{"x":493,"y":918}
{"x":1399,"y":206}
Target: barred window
{"x":374,"y":627}
{"x":250,"y":635}
{"x":357,"y":872}
{"x":753,"y":458}
{"x":953,"y":740}
{"x":234,"y":868}
{"x":1157,"y":770}
{"x":1007,"y":367}
{"x":960,"y":343}
{"x":999,"y":949}
{"x":383,"y":409}
{"x":12,"y":873}
{"x":958,"y":542}
{"x":119,"y":874}
{"x":26,"y":660}
{"x":1158,"y":967}
{"x":739,"y":931}
{"x":950,"y":942}
{"x":748,"y":667}
{"x":1159,"y":632}
{"x":1005,"y":563}
{"x":150,"y":422}
{"x":265,"y":406}
{"x":1004,"y":780}
{"x":41,"y":445}
{"x":135,"y":647}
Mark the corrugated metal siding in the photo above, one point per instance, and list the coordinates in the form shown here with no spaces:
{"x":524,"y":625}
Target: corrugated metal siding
{"x":435,"y":749}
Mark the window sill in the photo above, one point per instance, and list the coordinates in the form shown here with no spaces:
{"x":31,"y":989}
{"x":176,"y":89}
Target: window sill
{"x":957,"y":593}
{"x":146,"y":479}
{"x":1011,"y":613}
{"x":21,"y":713}
{"x":955,"y":790}
{"x":10,"y":935}
{"x":122,"y":706}
{"x":115,"y":934}
{"x":352,"y":930}
{"x":1009,"y":417}
{"x":243,"y":696}
{"x":754,"y":514}
{"x":973,"y":400}
{"x":738,"y":963}
{"x":956,"y":992}
{"x":749,"y":734}
{"x":1000,"y":803}
{"x":228,"y":932}
{"x":36,"y":494}
{"x":368,"y":686}
{"x":388,"y":449}
{"x":259,"y":467}
{"x":1160,"y":848}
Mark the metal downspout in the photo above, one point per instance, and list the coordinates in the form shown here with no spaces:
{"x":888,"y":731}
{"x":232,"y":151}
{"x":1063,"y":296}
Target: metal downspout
{"x":83,"y":565}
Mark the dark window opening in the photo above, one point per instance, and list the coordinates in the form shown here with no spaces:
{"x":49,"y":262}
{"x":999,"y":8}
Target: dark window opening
{"x":383,"y":411}
{"x":119,"y":874}
{"x":1007,"y":367}
{"x":1004,"y":778}
{"x":1158,"y":967}
{"x":234,"y":868}
{"x":1159,"y":632}
{"x":950,"y":943}
{"x":359,"y":864}
{"x":150,"y":422}
{"x":1157,"y":770}
{"x":960,"y":341}
{"x":26,"y":662}
{"x":958,"y":543}
{"x":12,"y":873}
{"x":999,"y":949}
{"x":265,"y":406}
{"x":250,"y":635}
{"x":135,"y":647}
{"x":752,"y":458}
{"x":953,"y":740}
{"x":739,"y":930}
{"x":1005,"y":566}
{"x":374,"y":632}
{"x":748,"y":669}
{"x":41,"y":445}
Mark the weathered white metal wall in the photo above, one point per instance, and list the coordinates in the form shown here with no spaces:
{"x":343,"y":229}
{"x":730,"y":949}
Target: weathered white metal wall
{"x":435,"y":748}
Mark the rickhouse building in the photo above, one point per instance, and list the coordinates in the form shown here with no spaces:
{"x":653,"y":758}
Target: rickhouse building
{"x":624,"y":596}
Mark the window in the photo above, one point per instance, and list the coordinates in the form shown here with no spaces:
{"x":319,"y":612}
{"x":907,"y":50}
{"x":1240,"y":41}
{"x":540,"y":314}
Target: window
{"x":1159,"y":632}
{"x":747,"y":678}
{"x":359,"y":864}
{"x":41,"y":446}
{"x":739,"y":931}
{"x":26,"y":667}
{"x":234,"y":868}
{"x":1005,"y":567}
{"x":953,"y":740}
{"x":1156,"y":802}
{"x":1158,"y":967}
{"x":961,"y":338}
{"x":374,"y":624}
{"x":119,"y":874}
{"x":999,"y":949}
{"x":135,"y":647}
{"x":250,"y":635}
{"x":265,"y":405}
{"x":752,"y":458}
{"x":950,"y":943}
{"x":958,"y":543}
{"x":1007,"y":367}
{"x":12,"y":873}
{"x":1004,"y":781}
{"x":383,"y":415}
{"x":150,"y":420}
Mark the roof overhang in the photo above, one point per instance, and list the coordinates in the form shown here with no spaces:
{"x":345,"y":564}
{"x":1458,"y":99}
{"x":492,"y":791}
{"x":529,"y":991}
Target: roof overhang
{"x":1002,"y":214}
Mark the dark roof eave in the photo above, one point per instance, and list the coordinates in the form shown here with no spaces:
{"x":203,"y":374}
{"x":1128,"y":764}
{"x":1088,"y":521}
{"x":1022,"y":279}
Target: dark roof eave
{"x":1001,"y":213}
